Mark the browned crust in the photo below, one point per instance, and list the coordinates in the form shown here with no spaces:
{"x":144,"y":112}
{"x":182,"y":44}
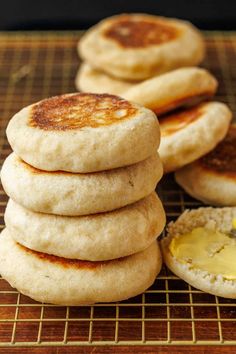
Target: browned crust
{"x":178,"y":120}
{"x":222,"y":160}
{"x":35,"y":170}
{"x":69,"y":263}
{"x":80,"y":110}
{"x":188,"y":100}
{"x":134,"y":32}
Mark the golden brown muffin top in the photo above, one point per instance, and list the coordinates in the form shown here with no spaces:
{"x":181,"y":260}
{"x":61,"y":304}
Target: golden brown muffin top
{"x":185,"y":101}
{"x":178,"y":120}
{"x":132,"y":31}
{"x":80,"y":110}
{"x":223,"y":158}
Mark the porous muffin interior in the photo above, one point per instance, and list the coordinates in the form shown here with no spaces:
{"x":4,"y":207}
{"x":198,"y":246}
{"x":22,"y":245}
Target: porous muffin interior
{"x":211,"y":218}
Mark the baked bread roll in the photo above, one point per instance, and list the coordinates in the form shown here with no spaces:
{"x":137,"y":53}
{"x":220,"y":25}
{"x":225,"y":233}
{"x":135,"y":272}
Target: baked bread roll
{"x":98,"y":237}
{"x":139,"y":46}
{"x":83,"y":132}
{"x":73,"y":194}
{"x":212,"y":179}
{"x":190,"y":133}
{"x":89,"y":79}
{"x":178,"y":88}
{"x":200,"y":248}
{"x":64,"y":281}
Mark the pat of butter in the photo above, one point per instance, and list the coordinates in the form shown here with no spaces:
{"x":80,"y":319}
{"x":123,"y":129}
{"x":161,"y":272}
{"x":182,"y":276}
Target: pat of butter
{"x":234,"y":223}
{"x":207,"y":250}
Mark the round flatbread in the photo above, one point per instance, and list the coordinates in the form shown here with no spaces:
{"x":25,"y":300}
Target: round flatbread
{"x":65,"y":193}
{"x":96,"y":237}
{"x":83,"y":132}
{"x":89,"y":79}
{"x":139,"y":46}
{"x":212,"y":179}
{"x":197,"y":252}
{"x":64,"y":281}
{"x":177,"y":88}
{"x":189,"y":134}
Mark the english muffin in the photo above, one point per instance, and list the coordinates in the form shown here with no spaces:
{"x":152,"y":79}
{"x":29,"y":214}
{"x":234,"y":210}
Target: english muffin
{"x":190,"y":133}
{"x":139,"y":46}
{"x":200,"y":248}
{"x":212,"y":179}
{"x":89,"y":79}
{"x":177,"y":88}
{"x":83,"y":132}
{"x":64,"y":281}
{"x":94,"y":237}
{"x":65,"y":193}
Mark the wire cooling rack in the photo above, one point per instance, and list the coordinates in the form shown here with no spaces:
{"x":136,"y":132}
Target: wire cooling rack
{"x":34,"y":66}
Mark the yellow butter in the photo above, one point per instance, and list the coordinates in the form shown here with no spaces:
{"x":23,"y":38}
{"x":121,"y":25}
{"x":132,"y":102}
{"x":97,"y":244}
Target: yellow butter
{"x":207,"y":250}
{"x":234,"y":223}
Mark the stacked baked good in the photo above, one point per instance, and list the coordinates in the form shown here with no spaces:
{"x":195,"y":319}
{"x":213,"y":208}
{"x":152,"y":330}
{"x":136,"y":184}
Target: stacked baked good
{"x":83,"y":216}
{"x":200,"y":246}
{"x":149,"y":60}
{"x":212,"y":178}
{"x":125,"y":49}
{"x":190,"y":125}
{"x":189,"y":135}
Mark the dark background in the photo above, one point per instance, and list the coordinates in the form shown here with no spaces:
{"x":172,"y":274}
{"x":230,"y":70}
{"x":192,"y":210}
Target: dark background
{"x":81,"y":14}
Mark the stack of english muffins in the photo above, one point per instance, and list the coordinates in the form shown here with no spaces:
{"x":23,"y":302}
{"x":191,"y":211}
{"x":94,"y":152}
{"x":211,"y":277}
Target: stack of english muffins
{"x":151,"y":60}
{"x":124,"y":50}
{"x":83,"y":217}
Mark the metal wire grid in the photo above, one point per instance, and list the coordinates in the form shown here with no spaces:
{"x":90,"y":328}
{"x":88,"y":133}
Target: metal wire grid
{"x":37,"y":65}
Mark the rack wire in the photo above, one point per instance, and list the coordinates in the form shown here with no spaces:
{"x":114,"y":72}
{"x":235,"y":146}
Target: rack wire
{"x":34,"y":66}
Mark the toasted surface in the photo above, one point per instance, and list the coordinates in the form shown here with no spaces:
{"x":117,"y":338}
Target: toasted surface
{"x":177,"y":88}
{"x":65,"y":193}
{"x":180,"y":119}
{"x":94,"y":237}
{"x":83,"y":132}
{"x":139,"y":46}
{"x":73,"y":112}
{"x":219,"y":219}
{"x":191,"y":133}
{"x":212,"y":179}
{"x":130,"y":31}
{"x":222,"y":159}
{"x":89,"y":79}
{"x":39,"y":275}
